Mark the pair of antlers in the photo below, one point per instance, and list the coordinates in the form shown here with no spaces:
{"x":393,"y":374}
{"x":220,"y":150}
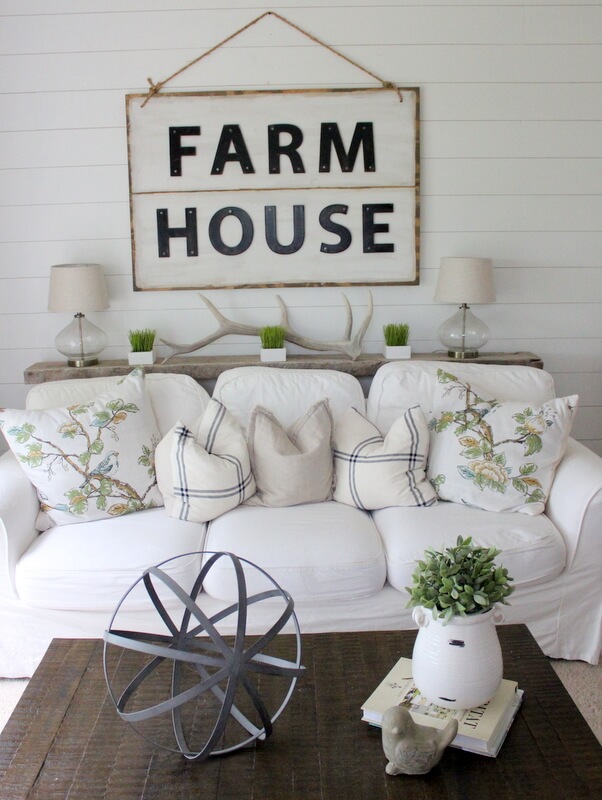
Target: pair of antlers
{"x":350,"y":345}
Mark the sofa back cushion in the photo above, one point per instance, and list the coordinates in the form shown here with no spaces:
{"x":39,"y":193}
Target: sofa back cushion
{"x":172,"y":397}
{"x":287,"y":393}
{"x":400,"y":385}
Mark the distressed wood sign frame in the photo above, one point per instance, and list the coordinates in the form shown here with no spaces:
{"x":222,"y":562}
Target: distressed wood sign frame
{"x":274,"y":188}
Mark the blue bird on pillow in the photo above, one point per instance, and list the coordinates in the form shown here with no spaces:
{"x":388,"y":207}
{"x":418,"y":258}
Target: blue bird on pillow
{"x":107,"y":467}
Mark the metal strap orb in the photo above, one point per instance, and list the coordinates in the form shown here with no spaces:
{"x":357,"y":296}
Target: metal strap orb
{"x":190,"y":681}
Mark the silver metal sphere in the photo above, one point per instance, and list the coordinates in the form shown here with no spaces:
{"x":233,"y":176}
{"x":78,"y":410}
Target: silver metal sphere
{"x":189,"y":681}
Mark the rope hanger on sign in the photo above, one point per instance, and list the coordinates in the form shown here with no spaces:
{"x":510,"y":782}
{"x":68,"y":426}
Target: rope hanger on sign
{"x":155,"y":88}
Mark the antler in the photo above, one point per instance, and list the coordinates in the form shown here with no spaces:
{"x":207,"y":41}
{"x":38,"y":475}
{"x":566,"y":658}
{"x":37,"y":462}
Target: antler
{"x":349,"y":345}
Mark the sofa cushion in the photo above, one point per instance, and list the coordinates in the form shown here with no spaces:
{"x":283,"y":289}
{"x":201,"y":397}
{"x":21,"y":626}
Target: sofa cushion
{"x":89,"y":567}
{"x":533,"y":550}
{"x":500,"y":456}
{"x":329,"y":552}
{"x":375,"y":471}
{"x":89,"y":460}
{"x":291,"y":466}
{"x":172,"y":396}
{"x":287,"y":393}
{"x":206,"y":471}
{"x":401,"y":384}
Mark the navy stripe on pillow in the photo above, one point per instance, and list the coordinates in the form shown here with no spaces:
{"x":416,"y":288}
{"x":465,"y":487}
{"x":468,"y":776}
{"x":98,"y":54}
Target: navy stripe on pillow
{"x":182,"y":434}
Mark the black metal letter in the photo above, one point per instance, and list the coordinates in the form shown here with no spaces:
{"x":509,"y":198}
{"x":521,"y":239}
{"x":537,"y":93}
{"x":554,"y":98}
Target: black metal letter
{"x":165,"y":233}
{"x":370,"y":228}
{"x":215,"y":233}
{"x":362,"y":135}
{"x":329,"y":225}
{"x":271,"y":233}
{"x":276,"y":149}
{"x":231,"y":136}
{"x":176,"y":151}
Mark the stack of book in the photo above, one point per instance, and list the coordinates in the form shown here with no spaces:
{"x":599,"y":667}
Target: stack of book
{"x":480,"y":730}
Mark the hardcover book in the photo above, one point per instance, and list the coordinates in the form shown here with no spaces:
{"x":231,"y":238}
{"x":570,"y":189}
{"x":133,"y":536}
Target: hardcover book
{"x":480,"y":730}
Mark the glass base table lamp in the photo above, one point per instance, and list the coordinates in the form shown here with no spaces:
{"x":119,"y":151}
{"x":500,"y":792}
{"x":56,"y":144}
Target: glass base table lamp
{"x":79,"y":288}
{"x":464,"y":281}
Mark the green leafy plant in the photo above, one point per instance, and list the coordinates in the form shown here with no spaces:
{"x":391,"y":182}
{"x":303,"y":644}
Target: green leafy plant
{"x":142,"y":341}
{"x":396,"y":334}
{"x":272,"y":337}
{"x":459,"y":580}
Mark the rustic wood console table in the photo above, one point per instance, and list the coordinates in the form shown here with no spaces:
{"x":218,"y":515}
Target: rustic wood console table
{"x":208,"y":368}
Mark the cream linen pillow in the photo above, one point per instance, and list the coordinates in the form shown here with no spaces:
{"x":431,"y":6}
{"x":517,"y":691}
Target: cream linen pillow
{"x":205,"y":472}
{"x":497,"y":456}
{"x":92,"y":460}
{"x":375,"y":471}
{"x":291,"y":466}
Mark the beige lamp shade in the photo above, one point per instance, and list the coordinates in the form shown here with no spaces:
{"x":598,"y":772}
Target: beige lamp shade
{"x":77,"y":287}
{"x":465,"y":280}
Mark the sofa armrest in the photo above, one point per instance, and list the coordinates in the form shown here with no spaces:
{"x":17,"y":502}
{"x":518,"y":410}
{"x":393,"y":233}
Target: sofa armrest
{"x":19,"y":507}
{"x":575,"y":497}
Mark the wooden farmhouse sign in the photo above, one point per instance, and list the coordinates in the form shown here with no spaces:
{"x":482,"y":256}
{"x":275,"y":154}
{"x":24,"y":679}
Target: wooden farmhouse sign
{"x":295,"y":188}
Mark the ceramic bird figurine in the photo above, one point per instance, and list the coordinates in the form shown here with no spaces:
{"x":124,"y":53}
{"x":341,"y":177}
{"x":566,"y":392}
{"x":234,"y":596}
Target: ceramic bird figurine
{"x":413,"y":749}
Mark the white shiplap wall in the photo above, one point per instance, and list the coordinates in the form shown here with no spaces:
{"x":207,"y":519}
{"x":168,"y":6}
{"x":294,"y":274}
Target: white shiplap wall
{"x":511,"y":142}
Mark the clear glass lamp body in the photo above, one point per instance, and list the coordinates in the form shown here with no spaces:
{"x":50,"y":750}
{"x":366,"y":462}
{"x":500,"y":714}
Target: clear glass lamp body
{"x":81,"y":342}
{"x":463,"y":334}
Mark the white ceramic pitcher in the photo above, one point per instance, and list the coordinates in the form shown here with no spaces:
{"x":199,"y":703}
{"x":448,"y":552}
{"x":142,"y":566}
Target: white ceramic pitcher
{"x":458,"y":665}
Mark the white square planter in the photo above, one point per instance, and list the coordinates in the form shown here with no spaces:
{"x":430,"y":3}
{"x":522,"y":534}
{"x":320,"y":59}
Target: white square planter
{"x":146,"y":357}
{"x":267,"y":354}
{"x":398,"y":352}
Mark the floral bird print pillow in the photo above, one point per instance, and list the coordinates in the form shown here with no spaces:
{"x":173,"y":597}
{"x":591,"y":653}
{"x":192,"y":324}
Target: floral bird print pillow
{"x":91,"y":460}
{"x":499,"y":456}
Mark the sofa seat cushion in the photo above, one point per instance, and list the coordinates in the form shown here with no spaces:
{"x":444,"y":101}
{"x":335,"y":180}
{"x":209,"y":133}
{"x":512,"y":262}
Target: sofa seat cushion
{"x":320,"y":551}
{"x":533,"y":551}
{"x":89,"y":566}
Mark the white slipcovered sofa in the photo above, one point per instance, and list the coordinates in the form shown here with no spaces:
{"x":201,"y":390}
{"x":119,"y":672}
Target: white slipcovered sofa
{"x":345,"y":567}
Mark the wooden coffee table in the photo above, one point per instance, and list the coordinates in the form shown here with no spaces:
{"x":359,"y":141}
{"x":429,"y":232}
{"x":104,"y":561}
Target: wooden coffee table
{"x":65,"y":740}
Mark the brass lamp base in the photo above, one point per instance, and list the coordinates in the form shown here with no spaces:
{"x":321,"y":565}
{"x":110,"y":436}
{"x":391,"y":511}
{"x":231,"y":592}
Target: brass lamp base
{"x":82,"y":362}
{"x":459,"y":354}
